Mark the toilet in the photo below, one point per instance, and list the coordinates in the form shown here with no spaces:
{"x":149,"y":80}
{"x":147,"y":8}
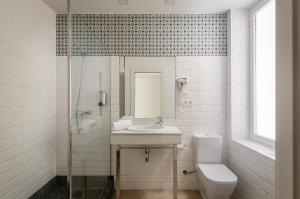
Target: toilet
{"x":216,"y":181}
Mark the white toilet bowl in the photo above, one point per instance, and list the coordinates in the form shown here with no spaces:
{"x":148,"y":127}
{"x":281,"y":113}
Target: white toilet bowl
{"x":216,"y":181}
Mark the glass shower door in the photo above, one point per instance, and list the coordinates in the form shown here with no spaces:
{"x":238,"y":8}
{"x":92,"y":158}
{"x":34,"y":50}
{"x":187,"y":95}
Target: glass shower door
{"x":90,"y":156}
{"x":90,"y":126}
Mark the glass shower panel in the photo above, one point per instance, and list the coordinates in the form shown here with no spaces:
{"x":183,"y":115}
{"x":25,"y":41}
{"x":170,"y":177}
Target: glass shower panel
{"x":90,"y":164}
{"x":91,"y":112}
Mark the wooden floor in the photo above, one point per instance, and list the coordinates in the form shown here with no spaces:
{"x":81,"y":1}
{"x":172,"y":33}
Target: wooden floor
{"x":157,"y":194}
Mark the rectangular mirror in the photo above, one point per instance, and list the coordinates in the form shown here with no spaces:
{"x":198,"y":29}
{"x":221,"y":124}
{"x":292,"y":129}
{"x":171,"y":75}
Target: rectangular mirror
{"x":147,"y":87}
{"x":147,"y":95}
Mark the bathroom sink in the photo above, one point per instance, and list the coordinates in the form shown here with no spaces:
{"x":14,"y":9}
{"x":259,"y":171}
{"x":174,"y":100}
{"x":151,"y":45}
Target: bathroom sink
{"x":145,"y":128}
{"x":147,"y":135}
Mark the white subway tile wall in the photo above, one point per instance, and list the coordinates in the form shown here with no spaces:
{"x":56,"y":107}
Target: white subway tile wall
{"x":207,"y":89}
{"x":61,"y":116}
{"x":256,"y":172}
{"x":27,"y":98}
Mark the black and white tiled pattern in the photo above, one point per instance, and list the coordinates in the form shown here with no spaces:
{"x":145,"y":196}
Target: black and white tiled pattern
{"x":54,"y":189}
{"x":84,"y":187}
{"x":144,"y":35}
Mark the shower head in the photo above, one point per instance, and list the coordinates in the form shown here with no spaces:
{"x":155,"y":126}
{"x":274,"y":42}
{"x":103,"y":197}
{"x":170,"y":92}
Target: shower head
{"x":181,"y":82}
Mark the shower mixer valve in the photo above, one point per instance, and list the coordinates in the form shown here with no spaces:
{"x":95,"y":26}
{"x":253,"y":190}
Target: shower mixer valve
{"x":82,"y":113}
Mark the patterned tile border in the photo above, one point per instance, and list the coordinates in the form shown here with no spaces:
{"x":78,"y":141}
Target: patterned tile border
{"x":144,"y":35}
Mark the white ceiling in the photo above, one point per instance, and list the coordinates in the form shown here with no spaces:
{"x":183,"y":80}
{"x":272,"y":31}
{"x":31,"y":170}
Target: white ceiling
{"x":150,"y":6}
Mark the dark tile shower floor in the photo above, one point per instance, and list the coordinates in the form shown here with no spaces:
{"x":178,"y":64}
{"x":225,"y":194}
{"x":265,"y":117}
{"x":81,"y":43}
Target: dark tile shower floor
{"x":91,"y":187}
{"x":84,"y":187}
{"x":58,"y":193}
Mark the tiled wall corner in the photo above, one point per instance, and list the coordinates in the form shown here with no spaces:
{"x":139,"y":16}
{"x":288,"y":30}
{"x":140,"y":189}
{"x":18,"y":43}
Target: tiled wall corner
{"x":256,"y":172}
{"x":115,"y":84}
{"x":61,"y":115}
{"x":27,"y":98}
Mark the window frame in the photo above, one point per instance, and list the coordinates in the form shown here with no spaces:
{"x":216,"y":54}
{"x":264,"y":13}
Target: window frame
{"x":252,"y":23}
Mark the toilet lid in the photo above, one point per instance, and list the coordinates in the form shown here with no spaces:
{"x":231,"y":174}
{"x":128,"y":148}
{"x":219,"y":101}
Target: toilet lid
{"x":218,"y":173}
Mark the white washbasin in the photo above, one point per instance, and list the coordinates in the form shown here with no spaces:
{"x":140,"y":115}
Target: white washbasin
{"x":147,"y":135}
{"x":145,"y":128}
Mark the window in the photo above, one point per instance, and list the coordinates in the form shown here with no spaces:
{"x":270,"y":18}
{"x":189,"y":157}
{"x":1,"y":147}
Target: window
{"x":264,"y":73}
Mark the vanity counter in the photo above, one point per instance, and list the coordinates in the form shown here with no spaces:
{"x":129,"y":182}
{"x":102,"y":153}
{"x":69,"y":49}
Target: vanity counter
{"x":165,"y":136}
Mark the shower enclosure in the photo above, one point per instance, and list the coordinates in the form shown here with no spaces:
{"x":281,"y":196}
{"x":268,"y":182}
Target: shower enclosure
{"x":89,"y":117}
{"x":90,"y":127}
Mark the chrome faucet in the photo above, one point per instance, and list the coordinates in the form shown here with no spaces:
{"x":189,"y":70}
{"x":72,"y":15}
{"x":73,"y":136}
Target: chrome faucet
{"x":160,"y":121}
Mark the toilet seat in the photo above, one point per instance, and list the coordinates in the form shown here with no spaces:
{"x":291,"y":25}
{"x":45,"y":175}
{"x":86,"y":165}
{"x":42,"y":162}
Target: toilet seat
{"x":217,"y":173}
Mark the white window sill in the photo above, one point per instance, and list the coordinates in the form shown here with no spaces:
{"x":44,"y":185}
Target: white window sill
{"x":266,"y":151}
